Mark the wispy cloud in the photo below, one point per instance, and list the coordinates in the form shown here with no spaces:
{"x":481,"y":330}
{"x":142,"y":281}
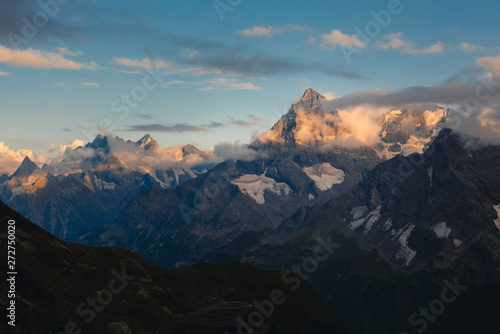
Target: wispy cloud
{"x":224,"y":84}
{"x":4,"y":74}
{"x":268,"y":31}
{"x":395,"y":41}
{"x":213,"y":125}
{"x":179,"y":127}
{"x":252,"y":121}
{"x":173,"y":83}
{"x":146,"y":116}
{"x":41,"y":59}
{"x":260,"y":31}
{"x":90,"y":84}
{"x":336,"y":38}
{"x":144,"y":63}
{"x":66,"y":52}
{"x":59,"y":83}
{"x":468,"y":47}
{"x":259,"y":65}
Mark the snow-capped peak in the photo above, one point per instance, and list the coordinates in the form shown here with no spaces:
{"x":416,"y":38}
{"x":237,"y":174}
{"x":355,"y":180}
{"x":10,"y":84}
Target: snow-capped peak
{"x":146,"y":142}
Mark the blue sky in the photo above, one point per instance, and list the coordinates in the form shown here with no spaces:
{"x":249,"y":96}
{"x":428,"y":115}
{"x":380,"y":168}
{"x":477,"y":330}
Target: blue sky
{"x":221,"y":79}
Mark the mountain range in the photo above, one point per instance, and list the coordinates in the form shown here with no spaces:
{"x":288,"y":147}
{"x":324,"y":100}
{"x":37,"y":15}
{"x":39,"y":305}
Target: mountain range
{"x":379,"y":222}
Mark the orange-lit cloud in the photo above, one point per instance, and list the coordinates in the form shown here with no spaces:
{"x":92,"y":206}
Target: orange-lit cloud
{"x":42,"y":59}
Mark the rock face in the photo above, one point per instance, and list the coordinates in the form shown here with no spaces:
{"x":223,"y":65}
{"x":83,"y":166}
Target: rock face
{"x":57,"y":280}
{"x":411,"y":228}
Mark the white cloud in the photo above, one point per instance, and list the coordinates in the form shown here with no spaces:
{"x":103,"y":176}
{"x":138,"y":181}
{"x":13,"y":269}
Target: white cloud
{"x":144,"y":63}
{"x":75,"y":144}
{"x":223,"y":84}
{"x":4,"y":74}
{"x":42,"y":59}
{"x":492,"y":64}
{"x":335,"y":38}
{"x":172,"y":83}
{"x":468,"y":47}
{"x":260,"y":31}
{"x":329,"y":95}
{"x":236,"y":151}
{"x":395,"y":41}
{"x":66,"y":52}
{"x":59,"y":83}
{"x":90,"y":84}
{"x":10,"y":159}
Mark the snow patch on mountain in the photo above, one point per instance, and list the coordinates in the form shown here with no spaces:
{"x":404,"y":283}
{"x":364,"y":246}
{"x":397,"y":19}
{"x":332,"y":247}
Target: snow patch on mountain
{"x":405,"y":253}
{"x":357,"y":213}
{"x":441,"y":230}
{"x":325,"y":175}
{"x":103,"y":185}
{"x":497,"y":221}
{"x":255,"y":186}
{"x":360,"y":217}
{"x":373,"y":218}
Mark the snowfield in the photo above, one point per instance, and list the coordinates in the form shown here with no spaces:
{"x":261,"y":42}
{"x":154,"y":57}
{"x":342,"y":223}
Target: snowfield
{"x":324,"y":175}
{"x":255,"y":185}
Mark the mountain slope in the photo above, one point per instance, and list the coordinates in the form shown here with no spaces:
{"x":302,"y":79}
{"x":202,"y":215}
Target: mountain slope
{"x":62,"y":285}
{"x":412,"y":226}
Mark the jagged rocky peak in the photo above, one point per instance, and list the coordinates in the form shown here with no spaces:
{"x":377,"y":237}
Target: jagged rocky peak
{"x":100,"y":142}
{"x":310,"y":101}
{"x":284,"y":130}
{"x":312,"y":96}
{"x":27,"y":168}
{"x":146,"y":142}
{"x":191,"y":149}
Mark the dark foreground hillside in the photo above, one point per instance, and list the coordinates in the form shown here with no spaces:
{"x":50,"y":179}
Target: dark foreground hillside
{"x":68,"y":288}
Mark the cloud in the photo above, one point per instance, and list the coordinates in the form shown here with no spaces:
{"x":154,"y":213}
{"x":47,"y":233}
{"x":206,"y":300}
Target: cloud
{"x":476,"y":104}
{"x":467,"y":47}
{"x":59,"y":83}
{"x":157,"y":158}
{"x":396,"y":42}
{"x":252,"y":121}
{"x":146,"y":116}
{"x":66,"y":52}
{"x":450,"y":93}
{"x":41,"y":59}
{"x":172,"y":83}
{"x":180,"y":127}
{"x":259,"y":65}
{"x":10,"y":159}
{"x":213,"y":125}
{"x":71,"y":157}
{"x":350,"y":127}
{"x":329,"y":95}
{"x":224,"y":84}
{"x":74,"y":145}
{"x":90,"y":84}
{"x":4,"y":74}
{"x":236,"y":151}
{"x":144,"y":63}
{"x":335,"y":38}
{"x":260,"y":31}
{"x":263,"y":31}
{"x":492,"y":64}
